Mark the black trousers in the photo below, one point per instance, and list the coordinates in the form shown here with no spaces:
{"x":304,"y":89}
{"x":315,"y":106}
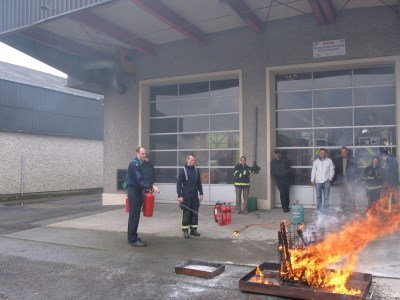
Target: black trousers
{"x":284,"y":190}
{"x":190,"y":210}
{"x":135,"y":198}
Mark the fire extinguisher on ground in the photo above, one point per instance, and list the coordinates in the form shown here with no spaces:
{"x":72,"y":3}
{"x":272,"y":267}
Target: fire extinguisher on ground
{"x":224,"y":215}
{"x":217,"y":208}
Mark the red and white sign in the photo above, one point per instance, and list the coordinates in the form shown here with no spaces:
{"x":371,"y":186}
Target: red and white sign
{"x":329,"y":48}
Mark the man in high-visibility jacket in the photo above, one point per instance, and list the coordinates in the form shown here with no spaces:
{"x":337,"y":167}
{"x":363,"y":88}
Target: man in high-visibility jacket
{"x":241,"y":173}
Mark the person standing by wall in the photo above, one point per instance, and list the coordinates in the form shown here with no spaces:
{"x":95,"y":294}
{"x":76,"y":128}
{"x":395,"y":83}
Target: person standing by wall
{"x":373,"y":178}
{"x":322,"y":174}
{"x":345,"y":177}
{"x":190,"y":193}
{"x":136,"y":183}
{"x":390,"y":176}
{"x":241,"y":173}
{"x":280,"y":170}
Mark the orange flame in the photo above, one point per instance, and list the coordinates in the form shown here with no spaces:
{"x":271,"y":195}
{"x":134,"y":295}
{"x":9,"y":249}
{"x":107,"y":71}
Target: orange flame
{"x":341,"y":250}
{"x":236,"y":232}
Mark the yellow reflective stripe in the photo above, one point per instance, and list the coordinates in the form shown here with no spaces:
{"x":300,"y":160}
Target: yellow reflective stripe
{"x":193,"y":226}
{"x":374,"y":187}
{"x":242,"y":184}
{"x":183,"y":227}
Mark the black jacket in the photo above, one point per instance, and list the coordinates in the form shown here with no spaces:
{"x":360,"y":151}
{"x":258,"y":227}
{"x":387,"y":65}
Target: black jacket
{"x":373,"y":177}
{"x":351,"y":170}
{"x":149,"y":173}
{"x":241,"y":173}
{"x":280,"y":169}
{"x":390,"y":174}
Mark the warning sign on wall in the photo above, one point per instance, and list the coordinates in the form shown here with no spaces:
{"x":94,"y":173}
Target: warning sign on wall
{"x":329,"y":48}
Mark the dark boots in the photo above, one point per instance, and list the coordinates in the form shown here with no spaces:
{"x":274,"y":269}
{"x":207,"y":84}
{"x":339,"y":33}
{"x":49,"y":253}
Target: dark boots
{"x":186,"y":233}
{"x":193,"y":231}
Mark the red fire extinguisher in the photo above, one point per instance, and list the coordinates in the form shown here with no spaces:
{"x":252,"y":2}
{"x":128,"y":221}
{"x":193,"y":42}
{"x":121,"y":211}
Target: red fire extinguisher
{"x":228,"y":211}
{"x":127,"y":205}
{"x":148,"y":205}
{"x":217,"y":208}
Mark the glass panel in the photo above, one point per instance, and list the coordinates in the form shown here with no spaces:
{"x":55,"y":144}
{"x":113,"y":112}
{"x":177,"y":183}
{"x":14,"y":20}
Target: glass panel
{"x":194,"y":107}
{"x":224,"y":87}
{"x":164,"y":158}
{"x":121,"y":174}
{"x":294,"y":138}
{"x":166,"y":92}
{"x":221,"y":176}
{"x":375,"y":95}
{"x":205,"y":176}
{"x":201,"y":157}
{"x":333,"y":137}
{"x":331,"y":79}
{"x":222,"y":140}
{"x":163,"y":125}
{"x":224,"y":157}
{"x":375,"y":116}
{"x":374,"y":76}
{"x":194,"y":90}
{"x":224,"y":122}
{"x":364,"y":156}
{"x":193,"y":124}
{"x":333,"y":98}
{"x":163,"y":142}
{"x":166,"y":175}
{"x":293,"y":82}
{"x":375,"y":136}
{"x":300,"y":157}
{"x":333,"y":117}
{"x":163,"y":109}
{"x":225,"y":104}
{"x":293,"y":100}
{"x":293,"y":119}
{"x":193,"y":141}
{"x":302,"y":176}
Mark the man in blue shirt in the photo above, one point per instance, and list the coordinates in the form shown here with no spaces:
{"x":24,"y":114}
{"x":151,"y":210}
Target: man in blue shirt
{"x":136,"y":183}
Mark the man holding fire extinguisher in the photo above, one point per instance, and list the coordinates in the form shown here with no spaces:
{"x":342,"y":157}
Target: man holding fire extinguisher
{"x":136,"y":183}
{"x":190,"y":193}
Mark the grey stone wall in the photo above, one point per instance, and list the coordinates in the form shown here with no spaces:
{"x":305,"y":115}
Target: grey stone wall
{"x":371,"y":32}
{"x":49,"y":163}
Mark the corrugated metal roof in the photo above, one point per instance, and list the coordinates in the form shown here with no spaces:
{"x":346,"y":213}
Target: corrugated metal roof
{"x":31,"y":77}
{"x":21,"y":13}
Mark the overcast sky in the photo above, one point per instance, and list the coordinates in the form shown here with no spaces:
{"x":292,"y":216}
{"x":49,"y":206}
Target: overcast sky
{"x":13,"y":56}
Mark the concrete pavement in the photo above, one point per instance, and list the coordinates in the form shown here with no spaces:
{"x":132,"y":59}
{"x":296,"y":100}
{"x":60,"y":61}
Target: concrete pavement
{"x":97,"y":243}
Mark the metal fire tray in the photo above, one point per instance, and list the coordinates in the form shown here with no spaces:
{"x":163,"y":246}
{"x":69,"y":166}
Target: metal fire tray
{"x":359,"y":281}
{"x":199,"y":268}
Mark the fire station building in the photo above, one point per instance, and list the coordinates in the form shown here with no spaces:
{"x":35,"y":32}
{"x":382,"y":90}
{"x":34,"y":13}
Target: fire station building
{"x":224,"y":78}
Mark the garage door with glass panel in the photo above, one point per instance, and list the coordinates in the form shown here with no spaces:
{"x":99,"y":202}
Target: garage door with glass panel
{"x":330,"y":109}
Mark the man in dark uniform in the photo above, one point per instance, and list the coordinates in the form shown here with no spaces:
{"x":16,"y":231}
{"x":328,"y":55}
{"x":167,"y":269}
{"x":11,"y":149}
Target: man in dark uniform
{"x":136,"y":183}
{"x":190,"y":193}
{"x":280,"y":170}
{"x":390,"y":177}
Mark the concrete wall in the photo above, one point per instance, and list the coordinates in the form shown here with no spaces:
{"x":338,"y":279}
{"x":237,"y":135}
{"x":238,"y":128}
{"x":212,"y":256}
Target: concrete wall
{"x":372,"y":32}
{"x":49,"y":163}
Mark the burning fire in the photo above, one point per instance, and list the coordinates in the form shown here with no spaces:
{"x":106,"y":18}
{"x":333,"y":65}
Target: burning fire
{"x":330,"y":263}
{"x":260,"y":278}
